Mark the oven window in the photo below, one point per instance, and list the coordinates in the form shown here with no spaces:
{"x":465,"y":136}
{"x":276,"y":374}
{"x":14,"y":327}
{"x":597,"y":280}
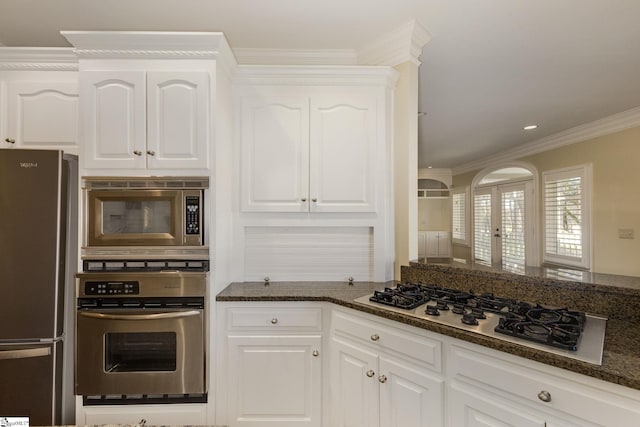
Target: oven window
{"x":140,"y":216}
{"x":140,"y":352}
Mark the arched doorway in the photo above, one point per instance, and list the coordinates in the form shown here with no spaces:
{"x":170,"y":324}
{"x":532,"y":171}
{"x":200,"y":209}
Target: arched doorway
{"x":504,"y":217}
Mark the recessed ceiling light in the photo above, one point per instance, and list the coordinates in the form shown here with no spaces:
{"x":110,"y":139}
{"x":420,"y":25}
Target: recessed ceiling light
{"x":530,"y":127}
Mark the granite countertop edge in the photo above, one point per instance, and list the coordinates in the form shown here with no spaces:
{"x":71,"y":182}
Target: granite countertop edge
{"x":620,"y":363}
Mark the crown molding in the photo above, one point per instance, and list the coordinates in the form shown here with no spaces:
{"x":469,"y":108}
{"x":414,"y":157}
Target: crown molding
{"x":38,"y":59}
{"x":401,"y":45}
{"x":605,"y":126}
{"x":248,"y":56}
{"x":149,"y":44}
{"x":316,"y":75}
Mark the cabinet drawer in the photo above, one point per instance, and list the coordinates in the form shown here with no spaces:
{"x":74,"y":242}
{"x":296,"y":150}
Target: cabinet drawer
{"x":403,"y":341}
{"x":533,"y":384}
{"x":274,"y":318}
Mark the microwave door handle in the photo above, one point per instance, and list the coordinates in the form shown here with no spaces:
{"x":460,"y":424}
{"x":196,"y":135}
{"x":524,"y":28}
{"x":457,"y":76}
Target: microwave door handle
{"x":25,"y":353}
{"x":155,"y":316}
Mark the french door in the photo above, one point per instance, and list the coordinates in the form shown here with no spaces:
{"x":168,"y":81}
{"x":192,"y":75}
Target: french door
{"x":501,"y":225}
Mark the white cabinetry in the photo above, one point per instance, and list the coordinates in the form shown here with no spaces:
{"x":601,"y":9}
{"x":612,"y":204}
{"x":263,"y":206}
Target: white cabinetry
{"x":489,"y":388}
{"x":39,"y":98}
{"x":154,"y":415}
{"x":273,"y":370}
{"x":145,"y":119}
{"x":384,"y":375}
{"x":309,"y":153}
{"x":434,"y":244}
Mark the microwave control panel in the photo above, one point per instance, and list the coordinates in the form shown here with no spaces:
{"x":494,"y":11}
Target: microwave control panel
{"x":192,"y":207}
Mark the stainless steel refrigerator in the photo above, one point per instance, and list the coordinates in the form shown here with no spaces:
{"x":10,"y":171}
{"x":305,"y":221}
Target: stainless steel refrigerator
{"x":38,"y":258}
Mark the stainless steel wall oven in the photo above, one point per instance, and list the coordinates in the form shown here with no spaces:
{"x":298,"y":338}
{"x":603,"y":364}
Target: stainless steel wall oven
{"x":141,"y":337}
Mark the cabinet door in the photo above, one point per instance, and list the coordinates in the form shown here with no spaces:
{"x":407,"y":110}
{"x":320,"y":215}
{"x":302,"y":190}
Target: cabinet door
{"x":355,"y":392}
{"x":42,"y":114}
{"x":432,"y":243}
{"x":343,"y":144}
{"x":470,"y":407}
{"x":274,"y":380}
{"x":112,"y":106}
{"x":177,"y":119}
{"x":422,"y":244}
{"x":275,"y":154}
{"x":408,"y":397}
{"x":444,"y":244}
{"x":155,"y":415}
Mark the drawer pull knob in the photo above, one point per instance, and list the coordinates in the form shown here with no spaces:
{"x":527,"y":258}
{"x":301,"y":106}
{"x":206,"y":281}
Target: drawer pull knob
{"x":304,"y":199}
{"x":10,"y":140}
{"x":137,"y":152}
{"x":382,"y":379}
{"x":545,"y":396}
{"x":316,"y":353}
{"x":151,"y":152}
{"x":375,"y":337}
{"x":274,"y":320}
{"x":370,"y":374}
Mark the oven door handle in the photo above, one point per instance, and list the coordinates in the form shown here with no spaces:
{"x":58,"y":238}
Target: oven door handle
{"x":25,"y":353}
{"x":155,"y":316}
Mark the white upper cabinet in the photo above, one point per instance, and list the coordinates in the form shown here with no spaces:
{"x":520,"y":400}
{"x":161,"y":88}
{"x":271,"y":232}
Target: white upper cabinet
{"x":313,"y":153}
{"x":138,"y":119}
{"x":42,"y":114}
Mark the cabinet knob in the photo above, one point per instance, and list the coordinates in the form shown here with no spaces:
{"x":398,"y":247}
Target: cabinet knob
{"x":137,"y":152}
{"x":370,"y":374}
{"x":151,"y":152}
{"x":10,"y":140}
{"x":375,"y":337}
{"x":304,"y":199}
{"x":545,"y":396}
{"x":382,"y":379}
{"x":316,"y":353}
{"x":274,"y":320}
{"x":314,"y":200}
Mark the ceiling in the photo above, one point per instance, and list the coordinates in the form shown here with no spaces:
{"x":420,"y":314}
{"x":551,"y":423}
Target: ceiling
{"x":491,"y":67}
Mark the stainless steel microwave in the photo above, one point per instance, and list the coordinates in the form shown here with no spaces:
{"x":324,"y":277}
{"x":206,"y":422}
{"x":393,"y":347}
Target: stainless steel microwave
{"x":147,"y":217}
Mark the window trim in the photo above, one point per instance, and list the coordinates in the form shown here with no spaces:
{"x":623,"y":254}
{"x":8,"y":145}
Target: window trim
{"x":466,"y":191}
{"x":585,"y":172}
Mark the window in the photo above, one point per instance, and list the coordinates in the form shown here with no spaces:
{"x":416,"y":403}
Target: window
{"x":459,"y":201}
{"x":567,"y":208}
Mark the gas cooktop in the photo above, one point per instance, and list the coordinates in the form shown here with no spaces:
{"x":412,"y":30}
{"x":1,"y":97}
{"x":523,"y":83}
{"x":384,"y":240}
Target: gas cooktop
{"x":557,"y":330}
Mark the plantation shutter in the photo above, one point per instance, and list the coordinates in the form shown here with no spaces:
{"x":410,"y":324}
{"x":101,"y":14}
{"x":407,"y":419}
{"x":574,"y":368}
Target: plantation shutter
{"x":459,"y":216}
{"x":482,"y":227}
{"x":566,"y":239}
{"x":513,"y":228}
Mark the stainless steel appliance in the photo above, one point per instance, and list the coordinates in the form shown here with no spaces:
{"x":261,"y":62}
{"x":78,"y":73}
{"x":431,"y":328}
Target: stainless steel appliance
{"x":144,"y":218}
{"x":38,"y":256}
{"x":558,"y":330}
{"x":140,"y":336}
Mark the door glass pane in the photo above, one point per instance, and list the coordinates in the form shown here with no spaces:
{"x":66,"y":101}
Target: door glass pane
{"x":513,"y":231}
{"x":482,"y":227}
{"x":140,"y":352}
{"x":140,"y":216}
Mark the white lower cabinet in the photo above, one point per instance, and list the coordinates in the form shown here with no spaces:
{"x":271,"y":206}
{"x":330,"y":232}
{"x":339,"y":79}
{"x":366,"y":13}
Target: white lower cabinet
{"x":380,"y":375}
{"x":490,"y":388}
{"x":154,"y":415}
{"x":273,"y":361}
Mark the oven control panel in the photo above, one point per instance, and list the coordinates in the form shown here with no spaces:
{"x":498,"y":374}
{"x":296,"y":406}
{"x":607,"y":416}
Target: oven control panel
{"x":192,"y":206}
{"x":112,"y":288}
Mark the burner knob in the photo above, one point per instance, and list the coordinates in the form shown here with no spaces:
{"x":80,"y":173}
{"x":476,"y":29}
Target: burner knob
{"x":545,"y":396}
{"x":375,"y":337}
{"x":370,"y":374}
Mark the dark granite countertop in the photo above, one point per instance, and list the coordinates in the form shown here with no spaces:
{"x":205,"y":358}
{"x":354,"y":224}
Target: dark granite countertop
{"x":621,"y":358}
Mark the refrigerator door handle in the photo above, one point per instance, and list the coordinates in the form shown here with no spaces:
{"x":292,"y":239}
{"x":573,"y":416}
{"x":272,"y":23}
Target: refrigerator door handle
{"x":25,"y":353}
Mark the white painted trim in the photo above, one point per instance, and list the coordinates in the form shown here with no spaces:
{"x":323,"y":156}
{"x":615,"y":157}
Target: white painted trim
{"x":401,"y":45}
{"x":36,"y":58}
{"x":605,"y":126}
{"x":440,"y":174}
{"x":248,"y":56}
{"x":333,"y":75}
